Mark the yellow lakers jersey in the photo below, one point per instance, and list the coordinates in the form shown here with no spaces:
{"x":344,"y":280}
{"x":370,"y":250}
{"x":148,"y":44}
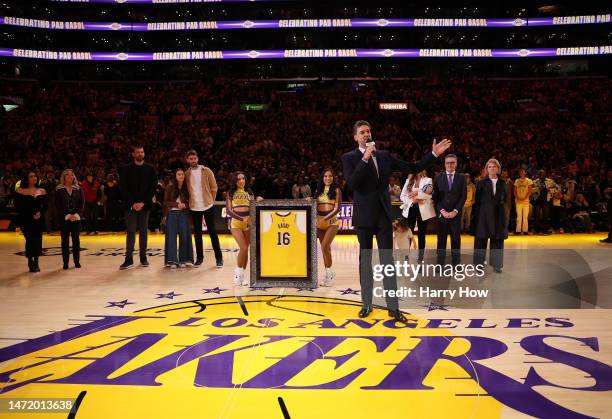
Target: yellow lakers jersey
{"x":240,"y":202}
{"x":324,"y":198}
{"x":283,"y":245}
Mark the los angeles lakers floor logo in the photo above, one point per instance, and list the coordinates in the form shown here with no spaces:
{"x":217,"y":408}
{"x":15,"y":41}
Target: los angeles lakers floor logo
{"x":235,"y":356}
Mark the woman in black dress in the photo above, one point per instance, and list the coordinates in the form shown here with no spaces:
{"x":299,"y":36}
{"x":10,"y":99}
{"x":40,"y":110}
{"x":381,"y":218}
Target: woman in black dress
{"x":70,"y":205}
{"x":31,"y":203}
{"x":490,"y":217}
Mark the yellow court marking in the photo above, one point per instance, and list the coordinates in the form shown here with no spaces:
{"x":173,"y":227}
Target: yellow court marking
{"x":178,"y":360}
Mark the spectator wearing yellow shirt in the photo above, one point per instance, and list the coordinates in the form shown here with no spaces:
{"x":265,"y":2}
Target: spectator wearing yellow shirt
{"x":466,"y":215}
{"x":523,"y":188}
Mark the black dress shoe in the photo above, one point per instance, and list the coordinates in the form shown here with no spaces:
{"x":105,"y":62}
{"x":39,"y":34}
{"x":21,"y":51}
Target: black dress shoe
{"x":498,"y":270}
{"x":365,"y":311}
{"x":77,"y":265}
{"x":65,"y":266}
{"x":398,"y":316}
{"x":198,"y":263}
{"x":128,"y":264}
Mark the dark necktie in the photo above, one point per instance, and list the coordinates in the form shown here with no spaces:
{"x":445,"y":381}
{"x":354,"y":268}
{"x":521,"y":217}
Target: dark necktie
{"x":450,"y":181}
{"x":371,"y":163}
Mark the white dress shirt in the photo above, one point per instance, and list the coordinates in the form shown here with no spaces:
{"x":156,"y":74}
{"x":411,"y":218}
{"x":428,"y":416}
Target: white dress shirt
{"x":494,"y":184}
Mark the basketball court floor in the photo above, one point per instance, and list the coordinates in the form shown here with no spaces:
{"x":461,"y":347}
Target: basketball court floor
{"x":187,"y":343}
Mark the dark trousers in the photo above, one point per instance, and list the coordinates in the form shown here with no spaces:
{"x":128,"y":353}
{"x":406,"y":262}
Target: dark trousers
{"x":70,"y":229}
{"x":384,"y":238}
{"x":136,"y":220}
{"x":496,"y":252}
{"x":452,"y":227}
{"x":414,"y":217}
{"x":558,"y":218}
{"x":542,"y":217}
{"x":208,"y":215}
{"x":91,"y":216}
{"x":33,"y":232}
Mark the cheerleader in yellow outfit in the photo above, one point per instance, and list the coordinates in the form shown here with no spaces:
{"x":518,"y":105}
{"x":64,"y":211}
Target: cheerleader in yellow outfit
{"x":328,"y":196}
{"x":237,"y":207}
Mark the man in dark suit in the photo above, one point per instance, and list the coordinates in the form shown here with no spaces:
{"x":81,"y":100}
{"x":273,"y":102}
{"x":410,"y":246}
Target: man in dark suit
{"x":367,"y":174}
{"x":450,"y":190}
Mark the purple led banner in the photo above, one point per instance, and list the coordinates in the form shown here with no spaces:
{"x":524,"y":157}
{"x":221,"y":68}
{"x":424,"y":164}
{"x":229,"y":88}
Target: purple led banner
{"x":159,"y":1}
{"x":305,"y":54}
{"x":302,"y":23}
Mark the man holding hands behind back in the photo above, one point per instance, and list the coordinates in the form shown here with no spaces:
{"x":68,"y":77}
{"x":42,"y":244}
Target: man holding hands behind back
{"x":367,"y":173}
{"x":450,"y":191}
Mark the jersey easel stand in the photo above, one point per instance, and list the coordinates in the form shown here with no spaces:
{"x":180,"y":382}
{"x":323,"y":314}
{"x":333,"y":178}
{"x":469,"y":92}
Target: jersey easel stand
{"x":285,"y":243}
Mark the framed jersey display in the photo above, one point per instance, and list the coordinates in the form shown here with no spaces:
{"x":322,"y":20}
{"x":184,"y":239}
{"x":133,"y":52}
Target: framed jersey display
{"x":283,"y":243}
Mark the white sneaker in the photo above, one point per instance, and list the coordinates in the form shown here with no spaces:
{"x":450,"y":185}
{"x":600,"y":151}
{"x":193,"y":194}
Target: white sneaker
{"x":173,"y":266}
{"x":237,"y":277}
{"x":182,"y":265}
{"x":245,"y":282}
{"x":329,"y":277}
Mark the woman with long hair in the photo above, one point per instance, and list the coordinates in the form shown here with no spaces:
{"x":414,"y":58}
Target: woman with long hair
{"x":328,"y":197}
{"x":417,"y":206}
{"x":31,"y":203}
{"x":70,"y":205}
{"x":490,"y":217}
{"x":176,"y":211}
{"x":237,"y":204}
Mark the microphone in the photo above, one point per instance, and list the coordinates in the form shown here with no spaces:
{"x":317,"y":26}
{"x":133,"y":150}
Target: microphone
{"x":372,"y":143}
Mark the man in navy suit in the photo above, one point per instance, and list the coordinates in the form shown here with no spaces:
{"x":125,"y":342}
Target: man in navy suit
{"x":450,"y":191}
{"x":367,"y":173}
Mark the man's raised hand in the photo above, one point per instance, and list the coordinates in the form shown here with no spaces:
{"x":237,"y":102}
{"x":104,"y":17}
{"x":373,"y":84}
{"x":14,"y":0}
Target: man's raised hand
{"x":440,"y":148}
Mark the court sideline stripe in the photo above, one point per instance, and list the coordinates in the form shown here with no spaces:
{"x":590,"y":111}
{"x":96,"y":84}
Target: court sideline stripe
{"x":242,"y":305}
{"x":281,"y":402}
{"x":77,"y":403}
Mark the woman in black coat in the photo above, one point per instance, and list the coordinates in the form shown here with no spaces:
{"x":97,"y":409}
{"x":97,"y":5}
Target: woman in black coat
{"x":490,"y":217}
{"x":31,"y":203}
{"x":70,"y":205}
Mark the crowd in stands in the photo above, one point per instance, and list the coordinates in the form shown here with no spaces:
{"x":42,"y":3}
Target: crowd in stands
{"x":558,"y":130}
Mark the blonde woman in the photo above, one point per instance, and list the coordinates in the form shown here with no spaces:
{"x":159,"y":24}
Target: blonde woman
{"x":69,"y":205}
{"x":417,"y":205}
{"x":490,"y":217}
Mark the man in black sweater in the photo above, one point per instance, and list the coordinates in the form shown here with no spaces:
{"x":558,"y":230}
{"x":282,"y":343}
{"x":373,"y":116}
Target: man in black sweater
{"x":137,"y":182}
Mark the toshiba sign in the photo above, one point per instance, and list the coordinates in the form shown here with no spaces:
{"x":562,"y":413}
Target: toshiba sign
{"x":393,"y":106}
